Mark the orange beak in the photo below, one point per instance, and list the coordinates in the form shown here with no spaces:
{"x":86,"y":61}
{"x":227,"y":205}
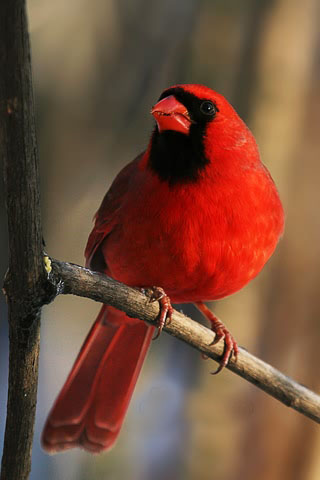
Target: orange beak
{"x":171,"y":115}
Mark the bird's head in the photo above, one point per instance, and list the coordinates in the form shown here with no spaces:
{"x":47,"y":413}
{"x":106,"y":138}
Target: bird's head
{"x":196,"y":127}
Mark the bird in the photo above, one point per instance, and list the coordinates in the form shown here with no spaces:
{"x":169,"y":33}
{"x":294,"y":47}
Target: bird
{"x":191,"y":219}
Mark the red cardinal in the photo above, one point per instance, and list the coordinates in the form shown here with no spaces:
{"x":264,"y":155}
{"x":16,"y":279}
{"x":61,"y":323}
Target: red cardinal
{"x":196,"y":214}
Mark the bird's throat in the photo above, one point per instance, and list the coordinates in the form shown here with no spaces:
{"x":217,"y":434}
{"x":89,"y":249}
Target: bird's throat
{"x":176,"y":157}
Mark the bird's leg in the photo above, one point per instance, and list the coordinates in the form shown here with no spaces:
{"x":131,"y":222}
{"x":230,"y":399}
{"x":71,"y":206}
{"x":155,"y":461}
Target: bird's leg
{"x":157,"y":294}
{"x":230,"y":345}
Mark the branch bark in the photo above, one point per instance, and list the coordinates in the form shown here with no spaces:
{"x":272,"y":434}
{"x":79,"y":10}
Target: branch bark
{"x":72,"y":279}
{"x":26,"y":275}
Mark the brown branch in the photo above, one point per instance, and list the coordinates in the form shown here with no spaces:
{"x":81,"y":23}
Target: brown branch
{"x":80,"y":281}
{"x":26,"y":275}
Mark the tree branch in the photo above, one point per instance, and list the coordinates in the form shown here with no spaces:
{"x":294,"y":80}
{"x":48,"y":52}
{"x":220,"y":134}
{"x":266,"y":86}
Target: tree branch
{"x":26,"y":274}
{"x":68,"y":278}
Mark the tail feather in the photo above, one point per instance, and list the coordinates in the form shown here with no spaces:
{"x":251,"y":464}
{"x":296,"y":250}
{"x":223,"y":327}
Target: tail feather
{"x":91,"y":406}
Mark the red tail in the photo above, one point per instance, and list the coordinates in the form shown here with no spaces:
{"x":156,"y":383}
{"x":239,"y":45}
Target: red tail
{"x":91,"y":406}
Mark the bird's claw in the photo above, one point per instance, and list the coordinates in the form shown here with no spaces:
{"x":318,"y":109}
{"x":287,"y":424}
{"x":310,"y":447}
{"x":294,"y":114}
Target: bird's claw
{"x":230,"y":345}
{"x":157,"y":294}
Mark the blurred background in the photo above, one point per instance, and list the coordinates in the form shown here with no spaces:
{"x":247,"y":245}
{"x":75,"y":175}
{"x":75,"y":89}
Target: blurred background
{"x":98,"y":66}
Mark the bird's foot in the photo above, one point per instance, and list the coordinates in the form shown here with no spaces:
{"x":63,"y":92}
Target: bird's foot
{"x":230,"y":345}
{"x":157,"y":294}
{"x":221,"y":331}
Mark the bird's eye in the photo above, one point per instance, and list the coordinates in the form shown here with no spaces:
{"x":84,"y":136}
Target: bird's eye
{"x":208,"y":108}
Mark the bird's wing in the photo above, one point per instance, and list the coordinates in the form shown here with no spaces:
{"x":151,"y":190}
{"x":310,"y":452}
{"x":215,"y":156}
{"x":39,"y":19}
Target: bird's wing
{"x":106,"y":216}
